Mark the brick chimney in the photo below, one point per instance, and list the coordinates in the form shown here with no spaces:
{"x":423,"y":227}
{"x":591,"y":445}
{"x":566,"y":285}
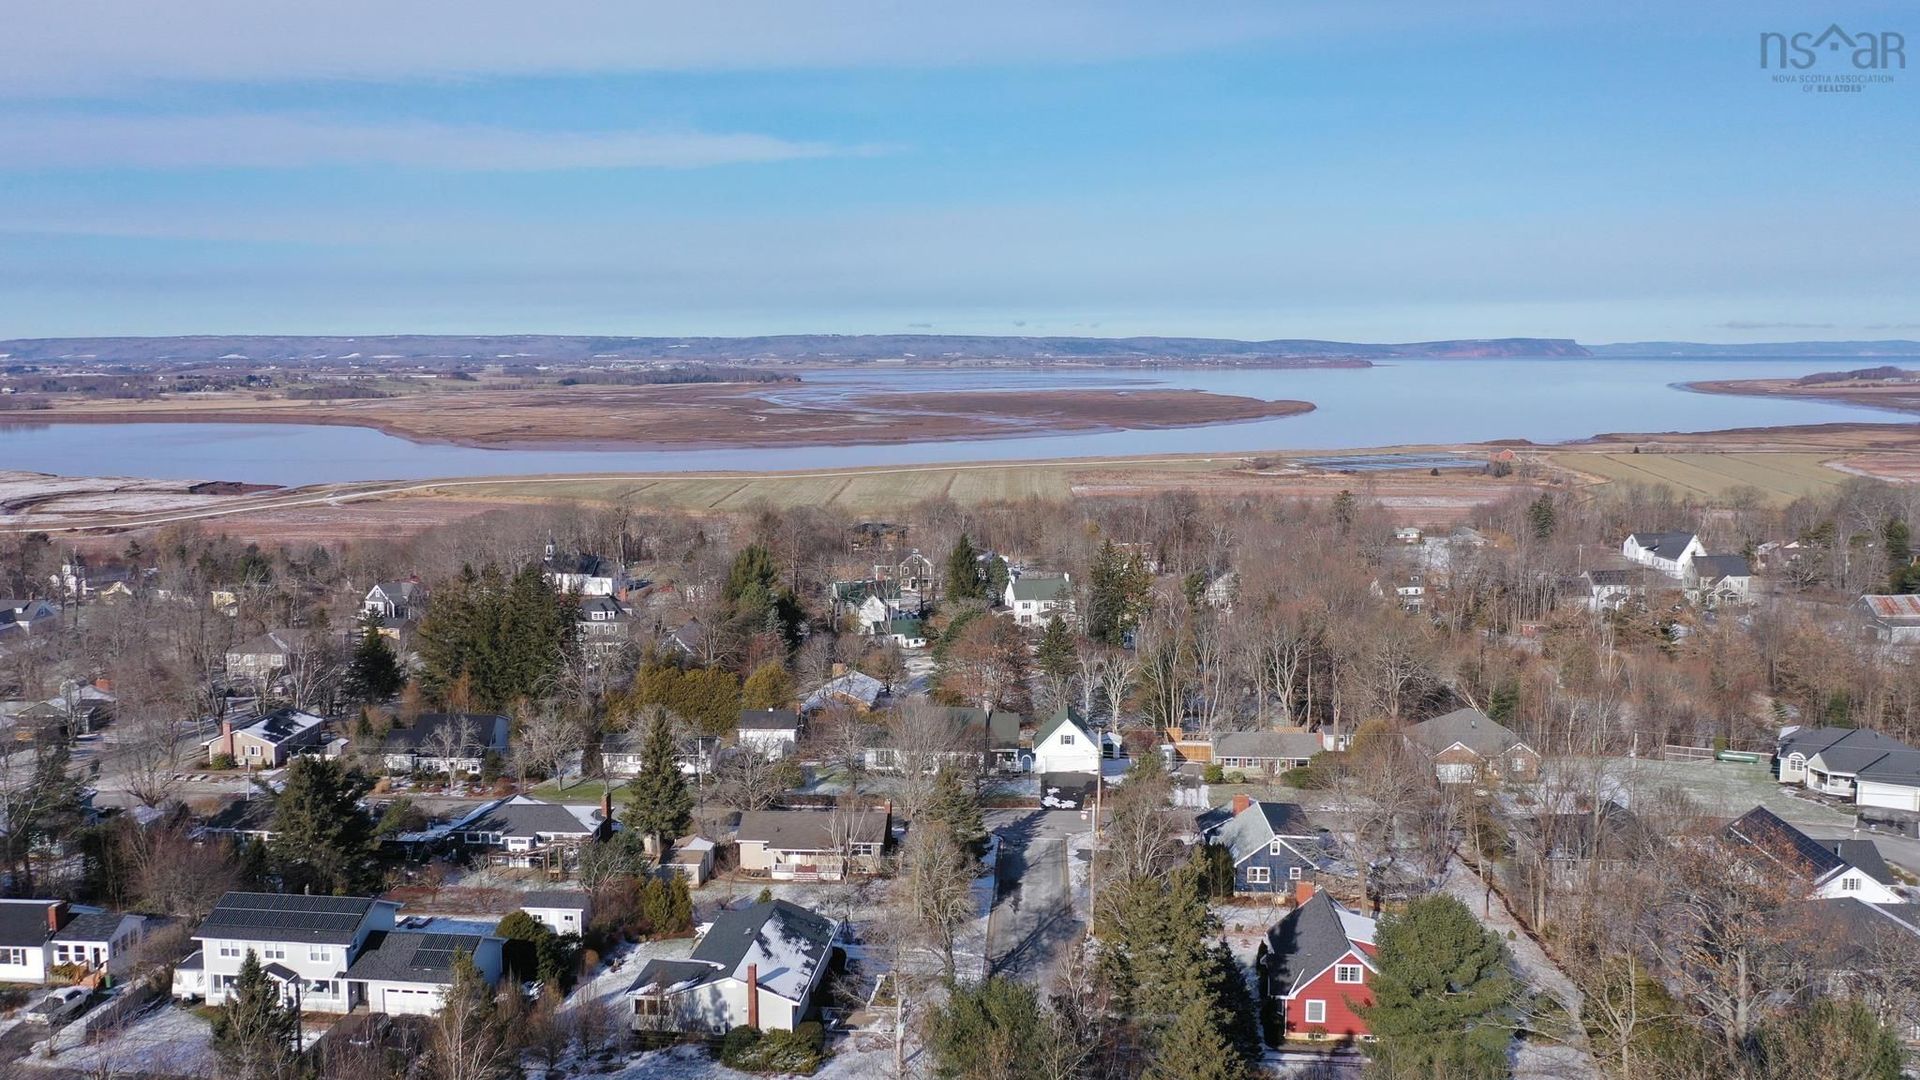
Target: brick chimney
{"x":1303,"y":891}
{"x":56,"y":916}
{"x":226,"y":736}
{"x":753,"y":996}
{"x":1240,"y":804}
{"x":103,"y":684}
{"x":606,"y":806}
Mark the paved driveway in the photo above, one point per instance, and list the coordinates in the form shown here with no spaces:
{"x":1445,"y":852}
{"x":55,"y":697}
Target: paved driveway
{"x":1033,"y":922}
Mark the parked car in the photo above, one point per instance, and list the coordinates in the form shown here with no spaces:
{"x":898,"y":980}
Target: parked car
{"x":63,"y":1004}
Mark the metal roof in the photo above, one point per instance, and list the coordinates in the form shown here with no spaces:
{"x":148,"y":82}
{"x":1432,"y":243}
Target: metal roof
{"x":1901,"y":606}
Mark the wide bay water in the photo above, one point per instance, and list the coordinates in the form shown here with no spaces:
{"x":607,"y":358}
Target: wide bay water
{"x":1394,"y":402}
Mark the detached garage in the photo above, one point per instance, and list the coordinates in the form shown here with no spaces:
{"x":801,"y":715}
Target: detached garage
{"x":405,"y":973}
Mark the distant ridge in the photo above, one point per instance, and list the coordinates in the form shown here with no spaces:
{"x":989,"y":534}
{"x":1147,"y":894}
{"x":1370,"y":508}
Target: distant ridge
{"x":814,"y":348}
{"x":1767,"y":348}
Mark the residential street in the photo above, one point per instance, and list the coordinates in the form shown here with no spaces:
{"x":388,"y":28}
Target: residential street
{"x":1033,"y":921}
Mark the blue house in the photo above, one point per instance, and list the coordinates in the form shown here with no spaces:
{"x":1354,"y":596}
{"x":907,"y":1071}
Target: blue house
{"x":1272,"y":846}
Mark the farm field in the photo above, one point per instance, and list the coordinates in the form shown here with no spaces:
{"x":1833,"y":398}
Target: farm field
{"x":852,"y":490}
{"x":1779,"y":477}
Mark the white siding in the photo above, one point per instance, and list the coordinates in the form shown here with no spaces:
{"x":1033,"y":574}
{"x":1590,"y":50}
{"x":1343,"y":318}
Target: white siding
{"x":1888,"y":796}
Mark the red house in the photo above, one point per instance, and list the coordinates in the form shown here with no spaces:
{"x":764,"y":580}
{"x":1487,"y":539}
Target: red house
{"x":1318,"y":964}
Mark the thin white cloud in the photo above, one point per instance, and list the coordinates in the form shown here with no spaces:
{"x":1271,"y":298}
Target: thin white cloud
{"x":267,"y":141}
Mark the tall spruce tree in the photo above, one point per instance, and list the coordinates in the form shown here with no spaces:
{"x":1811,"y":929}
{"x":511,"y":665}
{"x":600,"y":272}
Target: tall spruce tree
{"x":1056,"y":656}
{"x":1193,"y":1047}
{"x":963,"y":572}
{"x":953,"y":804}
{"x":322,"y":840}
{"x":1442,"y":998}
{"x":253,"y":1033}
{"x":659,"y":807}
{"x":374,"y":673}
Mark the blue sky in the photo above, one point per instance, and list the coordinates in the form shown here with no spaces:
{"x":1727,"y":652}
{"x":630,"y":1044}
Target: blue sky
{"x":1379,"y":171}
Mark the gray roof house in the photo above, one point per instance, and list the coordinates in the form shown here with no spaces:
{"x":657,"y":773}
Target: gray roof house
{"x":336,"y":953}
{"x":444,"y":742}
{"x":1316,"y":966}
{"x":760,"y":966}
{"x":1278,"y":750}
{"x":399,"y":600}
{"x":1774,"y":848}
{"x":810,"y":845}
{"x":1467,"y":745}
{"x":1272,"y":845}
{"x":521,"y":826}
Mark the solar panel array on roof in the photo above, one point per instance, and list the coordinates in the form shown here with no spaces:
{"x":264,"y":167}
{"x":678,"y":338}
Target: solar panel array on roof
{"x":1765,"y":830}
{"x":278,"y":917}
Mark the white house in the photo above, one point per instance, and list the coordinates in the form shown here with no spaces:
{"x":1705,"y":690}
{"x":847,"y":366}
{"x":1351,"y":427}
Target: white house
{"x":1775,"y":846}
{"x":521,"y":826}
{"x":772,"y":733}
{"x":97,"y":940}
{"x":25,"y":928}
{"x":564,"y":911}
{"x":587,"y":575}
{"x":1606,"y":590}
{"x":1034,"y":598}
{"x":400,"y":600}
{"x":1667,"y":552}
{"x":1063,"y":744}
{"x":760,"y":966}
{"x":1716,"y":579}
{"x":1829,"y":760}
{"x":335,"y":953}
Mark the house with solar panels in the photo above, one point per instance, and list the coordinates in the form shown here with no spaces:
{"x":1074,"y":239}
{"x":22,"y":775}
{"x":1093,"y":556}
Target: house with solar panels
{"x":1832,"y":869}
{"x":763,"y":966}
{"x":330,"y":954}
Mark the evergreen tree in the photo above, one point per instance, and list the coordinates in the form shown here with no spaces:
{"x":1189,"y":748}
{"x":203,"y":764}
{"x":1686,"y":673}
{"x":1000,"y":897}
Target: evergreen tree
{"x":1541,"y":517}
{"x":963,"y":572}
{"x":1832,"y":1039}
{"x":1442,"y":995}
{"x":769,"y":687}
{"x":493,"y":640}
{"x":374,"y":673}
{"x":952,"y":804}
{"x":43,"y":814}
{"x":1898,"y":541}
{"x":322,"y":840}
{"x":1056,"y":655}
{"x":1346,"y":508}
{"x":659,"y":807}
{"x":1193,"y":1048}
{"x":991,"y":1030}
{"x":254,"y":1032}
{"x":1119,"y":588}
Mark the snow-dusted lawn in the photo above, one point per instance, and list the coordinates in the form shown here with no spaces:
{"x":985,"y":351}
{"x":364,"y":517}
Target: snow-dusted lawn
{"x":163,"y":1039}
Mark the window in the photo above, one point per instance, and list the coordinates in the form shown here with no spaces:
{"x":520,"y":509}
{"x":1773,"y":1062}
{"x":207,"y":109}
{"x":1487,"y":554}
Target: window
{"x":1293,"y":873}
{"x":319,"y":953}
{"x":1849,"y":884}
{"x":229,"y":949}
{"x":274,"y":952}
{"x":16,"y":957}
{"x":253,"y":751}
{"x":1258,"y":875}
{"x":1346,"y":973}
{"x":1275,"y":847}
{"x":1066,"y":740}
{"x":1316,"y":1011}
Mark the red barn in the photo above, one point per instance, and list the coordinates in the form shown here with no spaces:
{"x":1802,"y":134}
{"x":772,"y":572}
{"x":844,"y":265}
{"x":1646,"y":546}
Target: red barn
{"x":1318,"y":965}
